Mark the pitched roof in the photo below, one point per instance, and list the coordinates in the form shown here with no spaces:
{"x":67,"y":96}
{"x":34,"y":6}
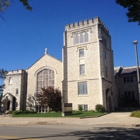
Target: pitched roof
{"x":123,"y":71}
{"x":129,"y":71}
{"x":42,"y":57}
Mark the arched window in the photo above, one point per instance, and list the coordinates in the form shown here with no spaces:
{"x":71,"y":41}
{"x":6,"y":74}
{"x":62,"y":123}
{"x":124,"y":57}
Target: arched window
{"x":45,"y":78}
{"x":10,"y":80}
{"x":81,"y":38}
{"x":76,"y":39}
{"x":86,"y":37}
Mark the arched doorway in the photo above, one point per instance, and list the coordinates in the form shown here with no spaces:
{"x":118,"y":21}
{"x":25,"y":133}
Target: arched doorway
{"x":6,"y":104}
{"x":9,"y":102}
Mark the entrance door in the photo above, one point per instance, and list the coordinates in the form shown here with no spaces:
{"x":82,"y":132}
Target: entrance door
{"x":6,"y":104}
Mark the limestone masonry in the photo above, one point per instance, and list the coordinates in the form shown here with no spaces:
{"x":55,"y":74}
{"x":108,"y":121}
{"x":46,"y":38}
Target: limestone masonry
{"x":85,"y":76}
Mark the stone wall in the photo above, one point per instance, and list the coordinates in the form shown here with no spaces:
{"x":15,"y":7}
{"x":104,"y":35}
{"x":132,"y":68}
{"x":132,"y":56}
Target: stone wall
{"x":94,"y":63}
{"x":45,"y":62}
{"x":14,"y":84}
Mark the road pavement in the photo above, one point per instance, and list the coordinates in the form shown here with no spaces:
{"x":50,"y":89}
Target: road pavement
{"x":68,"y":132}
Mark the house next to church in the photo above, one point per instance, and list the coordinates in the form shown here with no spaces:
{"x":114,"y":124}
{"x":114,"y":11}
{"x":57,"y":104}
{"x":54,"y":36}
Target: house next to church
{"x":85,"y":75}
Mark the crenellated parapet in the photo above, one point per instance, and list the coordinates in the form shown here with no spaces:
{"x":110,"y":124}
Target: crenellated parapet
{"x":86,"y":22}
{"x":13,"y":72}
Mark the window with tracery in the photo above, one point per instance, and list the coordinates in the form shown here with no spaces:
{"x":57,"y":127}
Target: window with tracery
{"x":45,"y":78}
{"x":81,"y":38}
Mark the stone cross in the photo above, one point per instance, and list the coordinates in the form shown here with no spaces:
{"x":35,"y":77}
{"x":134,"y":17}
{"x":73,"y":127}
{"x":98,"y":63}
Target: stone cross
{"x":46,"y":51}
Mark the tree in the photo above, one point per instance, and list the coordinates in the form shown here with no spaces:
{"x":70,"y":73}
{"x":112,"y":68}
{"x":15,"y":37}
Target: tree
{"x":26,"y":4}
{"x":5,"y":3}
{"x":50,"y":97}
{"x":133,"y":7}
{"x":2,"y":76}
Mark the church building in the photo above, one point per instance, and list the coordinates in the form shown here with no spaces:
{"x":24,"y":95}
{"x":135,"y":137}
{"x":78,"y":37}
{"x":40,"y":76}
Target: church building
{"x":85,"y":75}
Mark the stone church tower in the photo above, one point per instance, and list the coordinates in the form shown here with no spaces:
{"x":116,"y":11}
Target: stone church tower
{"x":85,"y":76}
{"x":15,"y":90}
{"x":88,"y":65}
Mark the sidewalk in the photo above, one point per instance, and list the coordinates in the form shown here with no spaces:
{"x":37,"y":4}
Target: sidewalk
{"x":112,"y":119}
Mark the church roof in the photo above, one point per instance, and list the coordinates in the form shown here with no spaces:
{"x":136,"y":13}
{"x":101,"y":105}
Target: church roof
{"x":123,"y":71}
{"x":42,"y":57}
{"x":129,"y":71}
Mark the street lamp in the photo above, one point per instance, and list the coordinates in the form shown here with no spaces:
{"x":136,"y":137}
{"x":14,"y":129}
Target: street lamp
{"x":137,"y":63}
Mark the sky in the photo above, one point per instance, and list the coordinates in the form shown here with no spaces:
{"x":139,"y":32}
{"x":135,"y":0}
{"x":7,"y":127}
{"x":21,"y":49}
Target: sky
{"x":25,"y":34}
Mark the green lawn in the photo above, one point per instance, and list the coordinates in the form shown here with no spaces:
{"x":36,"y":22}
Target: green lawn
{"x":59,"y":114}
{"x":135,"y":114}
{"x":86,"y":114}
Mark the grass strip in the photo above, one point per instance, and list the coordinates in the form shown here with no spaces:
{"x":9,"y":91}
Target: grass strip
{"x":59,"y":114}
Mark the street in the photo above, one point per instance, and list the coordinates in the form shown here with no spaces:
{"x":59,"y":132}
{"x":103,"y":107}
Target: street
{"x":68,"y":132}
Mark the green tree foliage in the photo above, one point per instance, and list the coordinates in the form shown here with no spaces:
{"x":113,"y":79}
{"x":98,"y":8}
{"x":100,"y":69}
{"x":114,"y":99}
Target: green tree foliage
{"x":50,"y":97}
{"x":3,"y":5}
{"x":26,"y":4}
{"x":6,"y":3}
{"x":2,"y":76}
{"x":80,"y":108}
{"x":133,"y":7}
{"x":2,"y":73}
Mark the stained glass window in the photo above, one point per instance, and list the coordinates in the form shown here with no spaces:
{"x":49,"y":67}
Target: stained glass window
{"x":45,"y":78}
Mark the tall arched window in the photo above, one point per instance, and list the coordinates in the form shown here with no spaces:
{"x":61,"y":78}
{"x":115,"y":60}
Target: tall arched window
{"x":45,"y":78}
{"x":76,"y":39}
{"x":86,"y":37}
{"x":81,"y":38}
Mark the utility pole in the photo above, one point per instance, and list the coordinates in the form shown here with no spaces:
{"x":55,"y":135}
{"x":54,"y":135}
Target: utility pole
{"x":137,"y":63}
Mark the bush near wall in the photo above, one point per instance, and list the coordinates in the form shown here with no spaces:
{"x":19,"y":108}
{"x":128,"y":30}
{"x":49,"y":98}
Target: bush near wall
{"x":135,"y":114}
{"x":99,"y":108}
{"x":16,"y":112}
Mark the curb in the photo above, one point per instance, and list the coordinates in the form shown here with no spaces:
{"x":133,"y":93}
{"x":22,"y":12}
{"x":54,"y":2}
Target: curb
{"x":86,"y":117}
{"x":136,"y":125}
{"x":60,"y":123}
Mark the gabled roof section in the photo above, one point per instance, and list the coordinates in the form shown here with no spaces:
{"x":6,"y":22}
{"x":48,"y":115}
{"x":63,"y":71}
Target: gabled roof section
{"x":4,"y":97}
{"x":129,"y":71}
{"x":117,"y":70}
{"x":42,"y":57}
{"x":124,"y":71}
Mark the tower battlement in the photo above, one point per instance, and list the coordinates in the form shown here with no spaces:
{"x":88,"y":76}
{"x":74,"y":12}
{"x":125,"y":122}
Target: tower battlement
{"x":85,"y":23}
{"x":12,"y":72}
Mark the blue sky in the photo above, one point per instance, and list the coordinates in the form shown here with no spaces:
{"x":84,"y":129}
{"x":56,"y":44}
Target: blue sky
{"x":24,"y":35}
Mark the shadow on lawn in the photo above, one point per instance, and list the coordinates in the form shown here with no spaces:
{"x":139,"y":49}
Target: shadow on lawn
{"x":103,"y":133}
{"x":74,"y":114}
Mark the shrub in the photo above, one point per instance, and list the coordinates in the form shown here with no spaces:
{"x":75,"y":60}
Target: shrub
{"x":16,"y":112}
{"x":80,"y":108}
{"x":29,"y":112}
{"x":135,"y":114}
{"x":99,"y":108}
{"x":10,"y":112}
{"x":91,"y":110}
